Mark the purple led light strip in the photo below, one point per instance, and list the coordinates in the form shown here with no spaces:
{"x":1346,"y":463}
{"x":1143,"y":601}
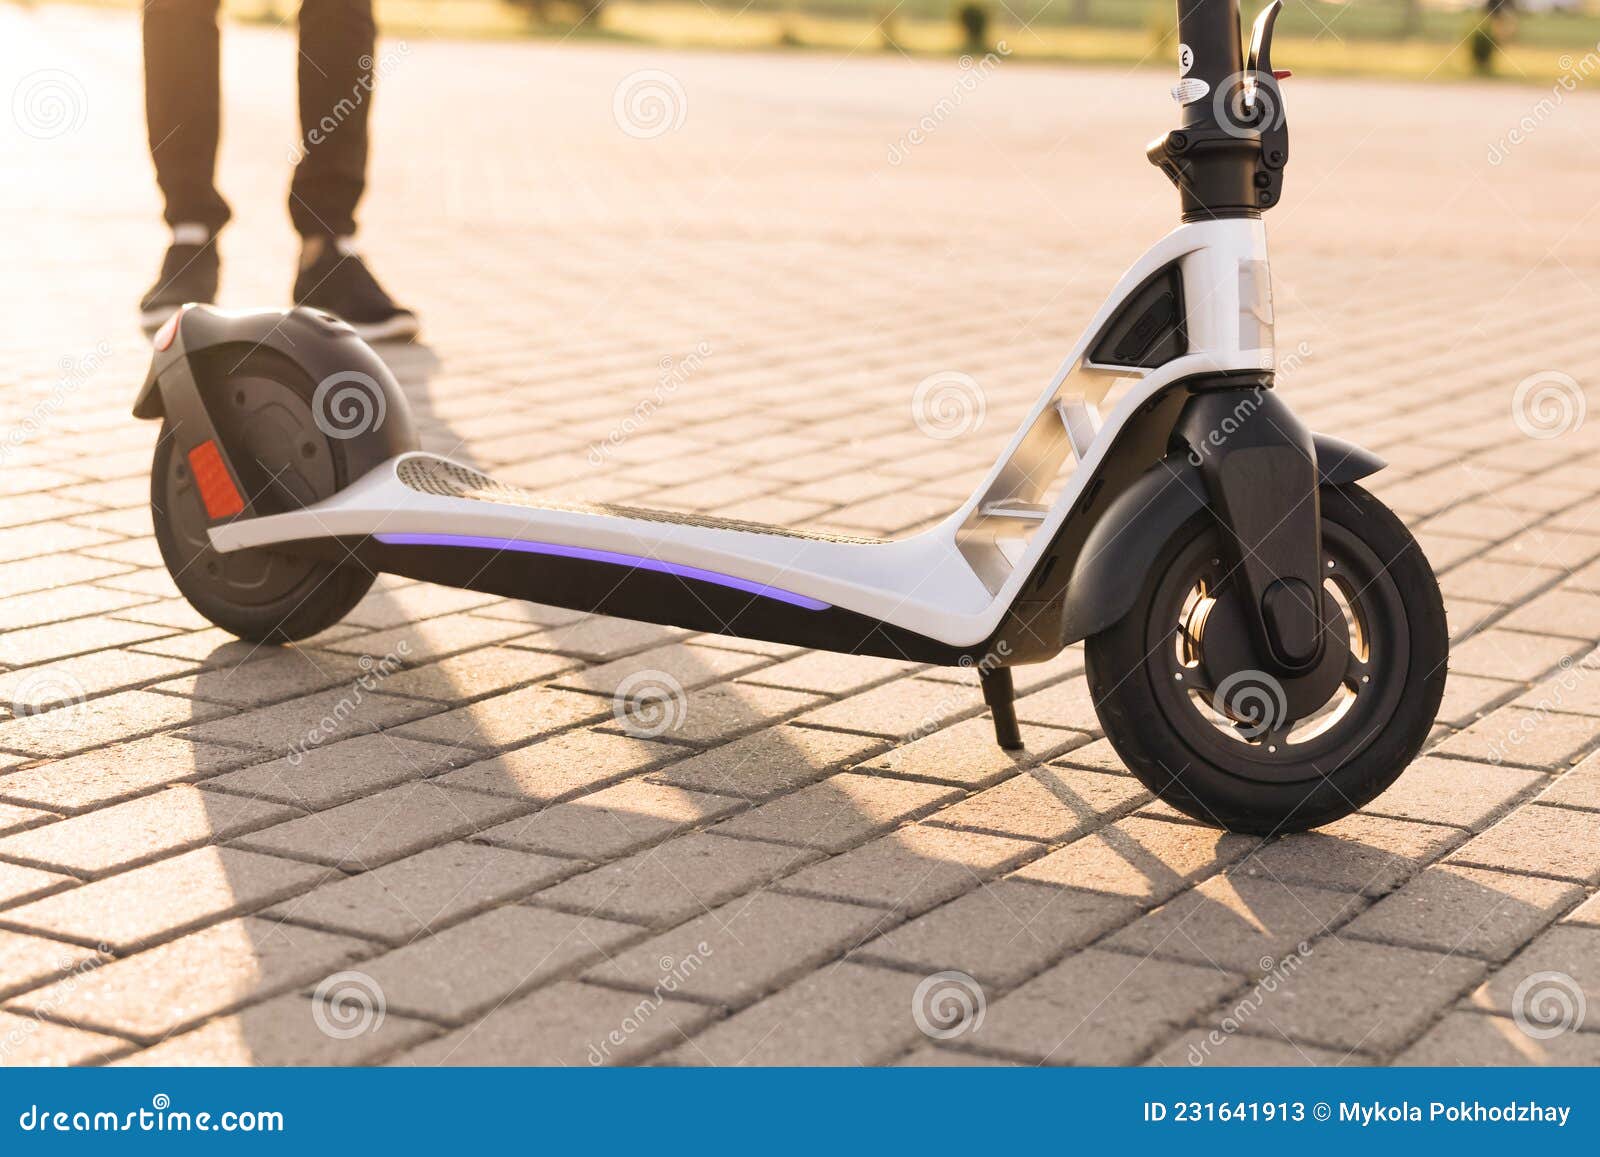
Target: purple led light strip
{"x":630,"y":560}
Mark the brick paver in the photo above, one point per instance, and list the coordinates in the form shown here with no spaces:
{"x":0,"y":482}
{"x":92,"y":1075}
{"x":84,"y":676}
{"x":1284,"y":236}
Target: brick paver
{"x":844,"y":1015}
{"x":281,"y":1031}
{"x":515,"y":872}
{"x":612,"y":822}
{"x":1098,"y":1008}
{"x":166,"y":898}
{"x":1243,"y":923}
{"x":1549,"y":841}
{"x":568,"y":1024}
{"x":151,"y":994}
{"x":667,"y":884}
{"x":423,"y":893}
{"x":912,"y":869}
{"x":470,"y":968}
{"x":1001,"y":933}
{"x":1355,"y":997}
{"x":1145,"y":859}
{"x":1466,"y":910}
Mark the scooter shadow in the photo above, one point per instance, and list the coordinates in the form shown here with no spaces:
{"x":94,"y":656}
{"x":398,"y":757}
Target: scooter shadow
{"x":338,"y":757}
{"x":425,"y":795}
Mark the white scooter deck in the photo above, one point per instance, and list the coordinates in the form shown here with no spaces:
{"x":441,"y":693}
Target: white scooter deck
{"x":951,"y":583}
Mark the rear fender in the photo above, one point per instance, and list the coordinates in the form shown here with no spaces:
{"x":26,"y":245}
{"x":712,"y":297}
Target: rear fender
{"x":356,"y":397}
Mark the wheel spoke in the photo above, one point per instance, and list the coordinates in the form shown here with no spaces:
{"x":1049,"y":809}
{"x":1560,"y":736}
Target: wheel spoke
{"x":1356,"y":673}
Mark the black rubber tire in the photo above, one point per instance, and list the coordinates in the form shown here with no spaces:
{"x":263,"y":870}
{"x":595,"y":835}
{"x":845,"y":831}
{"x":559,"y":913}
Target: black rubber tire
{"x":310,"y":595}
{"x":1193,"y":781}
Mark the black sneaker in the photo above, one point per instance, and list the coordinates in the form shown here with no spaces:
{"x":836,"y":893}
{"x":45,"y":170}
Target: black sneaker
{"x":188,"y":273}
{"x":340,"y":283}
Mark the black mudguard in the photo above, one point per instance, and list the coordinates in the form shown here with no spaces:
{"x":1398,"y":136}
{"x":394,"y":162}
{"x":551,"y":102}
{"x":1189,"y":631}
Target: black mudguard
{"x":324,"y":348}
{"x":1125,"y":541}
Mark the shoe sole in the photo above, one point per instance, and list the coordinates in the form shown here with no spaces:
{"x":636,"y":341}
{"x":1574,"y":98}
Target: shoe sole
{"x":402,"y":327}
{"x":151,"y":320}
{"x":398,"y":328}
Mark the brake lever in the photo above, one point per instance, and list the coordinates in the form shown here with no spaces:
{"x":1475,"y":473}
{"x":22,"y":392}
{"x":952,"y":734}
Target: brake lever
{"x":1274,"y":125}
{"x":1260,"y":58}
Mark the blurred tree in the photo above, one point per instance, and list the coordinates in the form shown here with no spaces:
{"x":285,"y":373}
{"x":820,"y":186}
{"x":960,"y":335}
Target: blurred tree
{"x":974,"y":21}
{"x":889,"y":28}
{"x":538,"y":11}
{"x":1411,"y":19}
{"x":1483,"y":40}
{"x":1496,"y":28}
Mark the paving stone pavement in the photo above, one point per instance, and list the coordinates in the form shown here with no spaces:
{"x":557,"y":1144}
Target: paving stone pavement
{"x":482,"y":850}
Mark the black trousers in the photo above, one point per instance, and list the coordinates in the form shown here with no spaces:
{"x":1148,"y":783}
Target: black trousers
{"x":183,"y":99}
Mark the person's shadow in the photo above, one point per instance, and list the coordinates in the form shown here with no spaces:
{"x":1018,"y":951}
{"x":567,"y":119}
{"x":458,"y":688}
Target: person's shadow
{"x":414,"y":365}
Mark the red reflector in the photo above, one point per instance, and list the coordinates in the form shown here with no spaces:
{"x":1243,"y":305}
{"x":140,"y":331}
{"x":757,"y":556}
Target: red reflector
{"x":1281,"y":74}
{"x":217,"y":491}
{"x":168,"y":331}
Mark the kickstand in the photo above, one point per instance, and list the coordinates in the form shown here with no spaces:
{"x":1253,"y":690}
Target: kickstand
{"x":1000,"y":693}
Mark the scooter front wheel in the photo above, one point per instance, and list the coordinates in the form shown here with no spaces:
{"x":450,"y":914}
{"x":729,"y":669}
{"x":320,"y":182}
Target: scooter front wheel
{"x":1227,"y":743}
{"x":262,"y":410}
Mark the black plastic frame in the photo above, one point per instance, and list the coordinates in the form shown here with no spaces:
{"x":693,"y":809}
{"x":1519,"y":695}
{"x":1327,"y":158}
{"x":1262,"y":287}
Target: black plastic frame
{"x":1150,"y":327}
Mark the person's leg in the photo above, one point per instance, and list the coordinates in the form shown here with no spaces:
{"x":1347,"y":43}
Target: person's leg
{"x":183,"y":98}
{"x":337,"y":75}
{"x":337,"y":71}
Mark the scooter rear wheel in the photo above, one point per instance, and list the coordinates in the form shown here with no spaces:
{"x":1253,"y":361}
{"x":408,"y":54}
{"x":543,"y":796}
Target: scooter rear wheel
{"x":262,"y":409}
{"x":1230,"y":744}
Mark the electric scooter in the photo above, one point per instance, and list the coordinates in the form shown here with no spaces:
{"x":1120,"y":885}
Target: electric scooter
{"x":1265,"y":643}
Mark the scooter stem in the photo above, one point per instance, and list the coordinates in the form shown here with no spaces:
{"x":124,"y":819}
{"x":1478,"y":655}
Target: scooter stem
{"x":1227,"y":157}
{"x":1211,"y":47}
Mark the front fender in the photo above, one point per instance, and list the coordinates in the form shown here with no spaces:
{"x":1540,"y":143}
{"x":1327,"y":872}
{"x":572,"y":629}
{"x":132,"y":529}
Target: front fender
{"x":1119,"y":551}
